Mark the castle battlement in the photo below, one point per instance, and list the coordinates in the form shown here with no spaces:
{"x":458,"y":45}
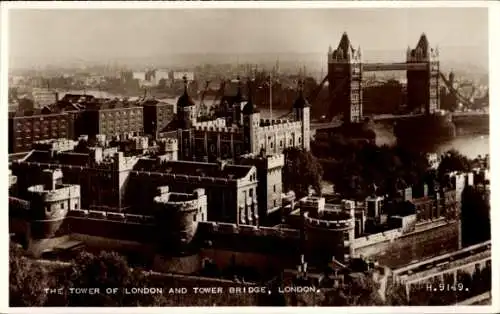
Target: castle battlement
{"x":62,"y":192}
{"x":377,"y":238}
{"x":170,"y":144}
{"x":58,"y":145}
{"x":182,"y":202}
{"x":124,"y":163}
{"x":228,"y":228}
{"x":329,"y":224}
{"x":286,"y":126}
{"x":270,"y":161}
{"x":118,"y":217}
{"x":186,"y":178}
{"x":219,"y":129}
{"x":219,"y":122}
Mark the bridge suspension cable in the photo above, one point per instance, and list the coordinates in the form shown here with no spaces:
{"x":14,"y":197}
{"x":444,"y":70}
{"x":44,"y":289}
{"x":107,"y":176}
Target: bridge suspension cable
{"x":202,"y":108}
{"x":312,"y":97}
{"x":455,"y":92}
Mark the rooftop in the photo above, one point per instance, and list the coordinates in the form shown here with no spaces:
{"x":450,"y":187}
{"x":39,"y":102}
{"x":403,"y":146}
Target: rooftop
{"x":192,"y":168}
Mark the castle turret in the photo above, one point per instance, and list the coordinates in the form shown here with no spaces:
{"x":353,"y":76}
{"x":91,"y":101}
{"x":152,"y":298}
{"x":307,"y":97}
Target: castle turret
{"x":178,"y":215}
{"x":301,"y":109}
{"x":186,"y":108}
{"x":329,"y":232}
{"x":251,"y":122}
{"x":168,"y":148}
{"x":50,"y":203}
{"x":237,"y":102}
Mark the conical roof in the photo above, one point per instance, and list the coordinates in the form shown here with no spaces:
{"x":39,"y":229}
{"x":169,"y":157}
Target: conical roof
{"x":238,"y":98}
{"x":344,"y":43}
{"x":301,"y":101}
{"x":423,"y":43}
{"x":250,"y":107}
{"x":185,"y":100}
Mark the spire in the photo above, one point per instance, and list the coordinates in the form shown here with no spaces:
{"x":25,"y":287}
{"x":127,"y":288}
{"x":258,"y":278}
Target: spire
{"x":249,"y":107}
{"x":301,"y":101}
{"x":185,"y":100}
{"x":249,"y":88}
{"x":345,"y":43}
{"x":423,"y":43}
{"x":239,"y":97}
{"x":185,"y":80}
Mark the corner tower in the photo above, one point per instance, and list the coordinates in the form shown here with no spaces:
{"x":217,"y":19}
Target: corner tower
{"x":178,"y":216}
{"x":237,"y":102}
{"x":50,"y":203}
{"x":345,"y":78}
{"x":186,"y":108}
{"x":423,"y":77}
{"x":301,"y":110}
{"x":251,"y":123}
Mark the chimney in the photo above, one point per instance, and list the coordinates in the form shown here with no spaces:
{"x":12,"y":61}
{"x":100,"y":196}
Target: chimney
{"x":52,"y":178}
{"x":221,"y":164}
{"x":162,"y":190}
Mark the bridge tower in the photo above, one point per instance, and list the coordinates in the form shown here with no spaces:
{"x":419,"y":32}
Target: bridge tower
{"x":345,"y":79}
{"x":423,"y":85}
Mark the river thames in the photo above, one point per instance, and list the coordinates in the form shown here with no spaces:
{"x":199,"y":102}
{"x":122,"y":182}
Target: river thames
{"x":468,"y":145}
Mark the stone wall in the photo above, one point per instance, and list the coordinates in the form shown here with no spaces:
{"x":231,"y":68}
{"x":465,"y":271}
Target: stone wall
{"x":414,"y":246}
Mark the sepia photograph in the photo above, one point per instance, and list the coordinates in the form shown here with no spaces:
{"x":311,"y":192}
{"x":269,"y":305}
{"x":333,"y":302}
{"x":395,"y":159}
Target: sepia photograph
{"x":195,"y":156}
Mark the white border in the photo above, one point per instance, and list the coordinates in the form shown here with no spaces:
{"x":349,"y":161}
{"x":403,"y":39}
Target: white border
{"x":494,"y":52}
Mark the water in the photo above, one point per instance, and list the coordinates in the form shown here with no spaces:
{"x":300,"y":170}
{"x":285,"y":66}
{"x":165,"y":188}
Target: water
{"x":468,"y":145}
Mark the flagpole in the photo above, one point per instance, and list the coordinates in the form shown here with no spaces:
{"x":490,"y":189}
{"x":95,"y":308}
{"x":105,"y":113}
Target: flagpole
{"x":271,"y":95}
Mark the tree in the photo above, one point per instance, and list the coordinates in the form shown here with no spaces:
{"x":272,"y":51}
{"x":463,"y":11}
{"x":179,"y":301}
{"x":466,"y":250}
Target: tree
{"x":475,"y":212}
{"x":106,"y":270}
{"x":27,"y":280}
{"x":452,"y":160}
{"x":354,"y":167}
{"x":302,"y":170}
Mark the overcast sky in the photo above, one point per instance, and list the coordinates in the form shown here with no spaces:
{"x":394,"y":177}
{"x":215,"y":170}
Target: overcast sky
{"x":46,"y":36}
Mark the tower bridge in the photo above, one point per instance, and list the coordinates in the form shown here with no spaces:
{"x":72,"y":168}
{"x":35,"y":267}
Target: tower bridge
{"x":345,"y":78}
{"x":346,"y":73}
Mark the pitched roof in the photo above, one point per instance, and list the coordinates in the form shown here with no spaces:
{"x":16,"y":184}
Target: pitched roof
{"x":345,"y":43}
{"x":423,"y":43}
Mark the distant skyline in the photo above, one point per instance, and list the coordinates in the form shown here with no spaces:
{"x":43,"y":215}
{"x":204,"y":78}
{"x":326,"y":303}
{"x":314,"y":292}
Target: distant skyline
{"x":55,"y":37}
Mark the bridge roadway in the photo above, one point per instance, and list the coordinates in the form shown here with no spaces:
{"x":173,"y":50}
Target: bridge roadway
{"x":385,"y":117}
{"x":397,"y":66}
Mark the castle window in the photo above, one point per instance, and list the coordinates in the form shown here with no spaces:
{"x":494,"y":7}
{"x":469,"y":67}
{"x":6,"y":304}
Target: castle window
{"x":274,"y":188}
{"x":281,"y":143}
{"x":346,"y":235}
{"x":194,"y":218}
{"x":62,"y":205}
{"x":274,"y":202}
{"x":271,"y":144}
{"x":76,"y":205}
{"x":290,"y":141}
{"x":250,"y":193}
{"x":300,"y":140}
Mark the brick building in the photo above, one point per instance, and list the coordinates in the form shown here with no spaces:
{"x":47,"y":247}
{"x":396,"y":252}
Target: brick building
{"x":24,"y":130}
{"x":157,"y":115}
{"x":113,"y":118}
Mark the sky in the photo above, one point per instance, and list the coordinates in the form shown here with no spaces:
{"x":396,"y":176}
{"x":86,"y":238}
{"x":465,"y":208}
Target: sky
{"x":50,"y":36}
